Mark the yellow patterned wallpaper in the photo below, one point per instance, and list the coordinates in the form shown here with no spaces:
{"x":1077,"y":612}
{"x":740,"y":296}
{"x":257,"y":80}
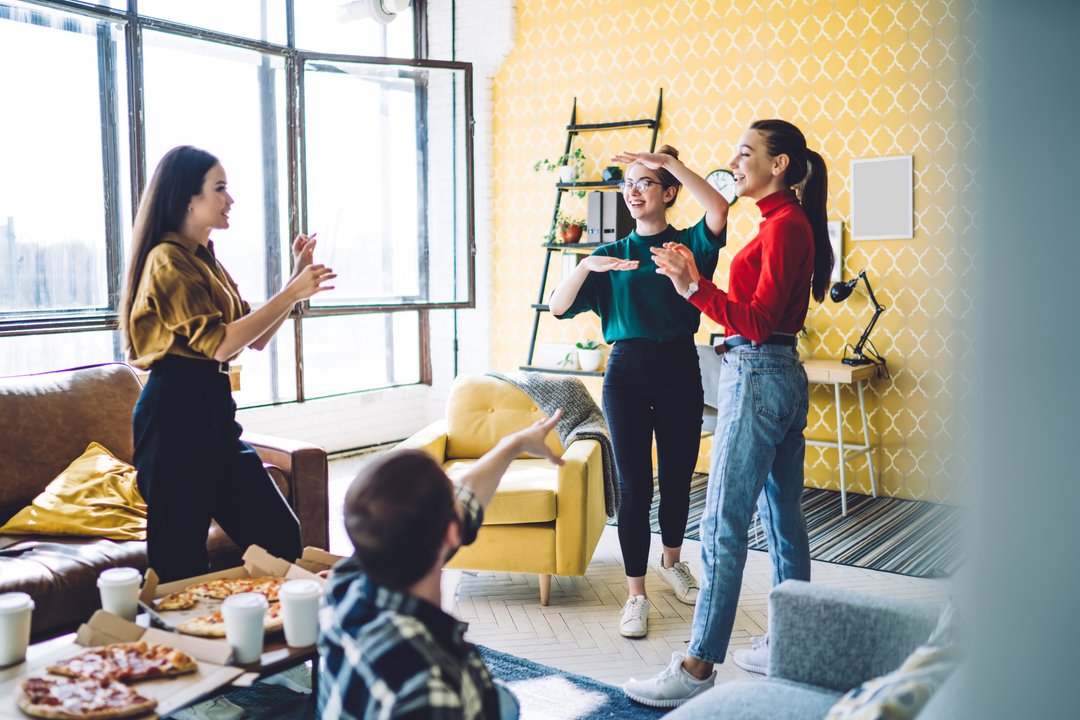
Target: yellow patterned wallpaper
{"x":862,"y":79}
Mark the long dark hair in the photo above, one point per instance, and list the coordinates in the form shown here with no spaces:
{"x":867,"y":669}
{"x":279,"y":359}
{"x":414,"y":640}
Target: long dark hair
{"x":178,"y":178}
{"x":806,"y":172}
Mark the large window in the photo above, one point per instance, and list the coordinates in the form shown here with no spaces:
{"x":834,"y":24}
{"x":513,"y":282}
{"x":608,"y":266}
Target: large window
{"x":323,"y":123}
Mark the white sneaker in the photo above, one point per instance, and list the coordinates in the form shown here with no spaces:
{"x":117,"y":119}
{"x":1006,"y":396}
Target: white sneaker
{"x":756,"y":659}
{"x":671,"y":688}
{"x":681,"y":581}
{"x":217,"y":709}
{"x":635,"y":617}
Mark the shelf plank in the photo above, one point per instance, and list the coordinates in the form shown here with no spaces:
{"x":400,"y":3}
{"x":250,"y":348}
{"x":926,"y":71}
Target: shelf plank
{"x":592,"y":127}
{"x":591,"y":184}
{"x":541,"y":308}
{"x":575,"y":247}
{"x":557,"y":371}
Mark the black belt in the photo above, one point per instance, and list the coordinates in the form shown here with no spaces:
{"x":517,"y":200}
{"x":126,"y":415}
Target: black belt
{"x":186,"y":363}
{"x":735,"y":341}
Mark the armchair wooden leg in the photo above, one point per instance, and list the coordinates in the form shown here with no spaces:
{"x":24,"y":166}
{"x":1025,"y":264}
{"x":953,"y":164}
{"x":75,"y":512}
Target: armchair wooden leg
{"x":545,"y":589}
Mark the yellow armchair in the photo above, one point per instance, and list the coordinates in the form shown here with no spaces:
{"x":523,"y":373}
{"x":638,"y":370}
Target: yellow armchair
{"x":543,"y":519}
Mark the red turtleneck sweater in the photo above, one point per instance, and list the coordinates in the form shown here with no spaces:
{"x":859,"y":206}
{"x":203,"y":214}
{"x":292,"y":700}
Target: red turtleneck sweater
{"x":769,"y":285}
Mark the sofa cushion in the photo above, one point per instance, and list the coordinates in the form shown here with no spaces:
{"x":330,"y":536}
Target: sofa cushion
{"x":765,"y":699}
{"x":527,"y":492}
{"x":95,"y":495}
{"x":481,"y":410}
{"x":50,"y":418}
{"x":902,"y":694}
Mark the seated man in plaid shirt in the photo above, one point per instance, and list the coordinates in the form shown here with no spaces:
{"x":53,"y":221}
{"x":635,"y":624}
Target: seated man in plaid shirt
{"x":386,"y":648}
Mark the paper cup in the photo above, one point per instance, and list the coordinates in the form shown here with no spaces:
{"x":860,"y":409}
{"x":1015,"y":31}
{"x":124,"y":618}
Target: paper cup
{"x":15,"y":611}
{"x":119,"y":588}
{"x":300,"y":610}
{"x":243,"y":614}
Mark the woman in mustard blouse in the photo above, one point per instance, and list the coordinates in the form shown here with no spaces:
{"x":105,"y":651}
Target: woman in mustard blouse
{"x":183,"y":319}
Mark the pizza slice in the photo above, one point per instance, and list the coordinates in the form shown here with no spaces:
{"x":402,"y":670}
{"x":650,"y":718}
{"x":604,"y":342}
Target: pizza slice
{"x":215,"y":589}
{"x":213,"y":625}
{"x":182,"y":600}
{"x":81,"y":699}
{"x":126,"y":662}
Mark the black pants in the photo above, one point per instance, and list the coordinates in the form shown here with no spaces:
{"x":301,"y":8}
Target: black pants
{"x":193,"y":466}
{"x":653,"y":387}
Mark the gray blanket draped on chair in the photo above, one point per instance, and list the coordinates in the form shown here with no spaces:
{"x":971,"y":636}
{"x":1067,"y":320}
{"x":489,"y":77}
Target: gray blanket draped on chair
{"x":582,"y":419}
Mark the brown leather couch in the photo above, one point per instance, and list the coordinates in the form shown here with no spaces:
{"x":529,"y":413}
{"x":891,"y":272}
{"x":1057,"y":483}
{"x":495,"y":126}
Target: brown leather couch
{"x":46,"y":421}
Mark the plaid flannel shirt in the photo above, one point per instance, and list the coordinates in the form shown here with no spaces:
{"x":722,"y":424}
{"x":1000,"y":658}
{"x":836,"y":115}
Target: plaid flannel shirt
{"x":388,"y":654}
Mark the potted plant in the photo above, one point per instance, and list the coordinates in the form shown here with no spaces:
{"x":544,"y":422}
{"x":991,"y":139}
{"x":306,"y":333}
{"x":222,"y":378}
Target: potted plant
{"x":590,"y":354}
{"x":568,"y":228}
{"x":569,"y":165}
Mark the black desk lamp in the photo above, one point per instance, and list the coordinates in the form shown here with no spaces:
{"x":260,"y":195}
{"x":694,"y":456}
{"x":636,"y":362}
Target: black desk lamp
{"x":839,"y":293}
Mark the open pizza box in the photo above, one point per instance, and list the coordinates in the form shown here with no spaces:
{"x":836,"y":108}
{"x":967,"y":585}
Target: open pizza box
{"x":257,"y":563}
{"x":104,"y":628}
{"x":315,"y":560}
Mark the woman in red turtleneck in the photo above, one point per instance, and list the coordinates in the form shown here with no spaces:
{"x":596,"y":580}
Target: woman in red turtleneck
{"x":762,"y":399}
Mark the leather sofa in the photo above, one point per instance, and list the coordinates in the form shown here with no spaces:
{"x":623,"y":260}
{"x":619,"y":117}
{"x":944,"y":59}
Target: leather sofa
{"x":543,"y":519}
{"x":46,"y":421}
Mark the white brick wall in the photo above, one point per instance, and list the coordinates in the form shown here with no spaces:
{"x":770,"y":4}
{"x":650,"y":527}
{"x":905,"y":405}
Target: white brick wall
{"x":483,"y":32}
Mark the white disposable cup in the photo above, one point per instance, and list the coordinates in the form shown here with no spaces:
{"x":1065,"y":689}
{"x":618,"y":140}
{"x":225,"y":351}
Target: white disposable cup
{"x":15,"y":611}
{"x":300,"y":610}
{"x":119,"y":588}
{"x":243,"y":614}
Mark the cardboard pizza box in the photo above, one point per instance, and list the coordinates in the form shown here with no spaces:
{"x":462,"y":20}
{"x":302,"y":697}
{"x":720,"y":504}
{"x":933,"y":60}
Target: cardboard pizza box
{"x":257,"y":563}
{"x":104,"y":629}
{"x":316,"y":560}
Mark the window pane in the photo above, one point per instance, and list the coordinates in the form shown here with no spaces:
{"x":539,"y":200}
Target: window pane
{"x":360,"y":352}
{"x":25,"y":354}
{"x":230,"y":102}
{"x":268,"y":377}
{"x":53,"y":220}
{"x":386,"y":186}
{"x":255,"y":19}
{"x":326,"y":27}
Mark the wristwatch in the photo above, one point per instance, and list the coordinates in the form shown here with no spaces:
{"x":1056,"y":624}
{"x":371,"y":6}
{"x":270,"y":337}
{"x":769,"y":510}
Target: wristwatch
{"x":690,"y":290}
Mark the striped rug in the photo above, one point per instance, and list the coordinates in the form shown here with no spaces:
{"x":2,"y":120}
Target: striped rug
{"x":908,"y":537}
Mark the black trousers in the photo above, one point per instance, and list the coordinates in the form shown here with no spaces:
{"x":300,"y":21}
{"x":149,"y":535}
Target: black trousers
{"x":653,"y":387}
{"x":193,"y":467}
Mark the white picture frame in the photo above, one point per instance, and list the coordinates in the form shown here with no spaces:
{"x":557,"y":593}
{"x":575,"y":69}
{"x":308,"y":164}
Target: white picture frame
{"x":882,"y":198}
{"x":836,"y":239}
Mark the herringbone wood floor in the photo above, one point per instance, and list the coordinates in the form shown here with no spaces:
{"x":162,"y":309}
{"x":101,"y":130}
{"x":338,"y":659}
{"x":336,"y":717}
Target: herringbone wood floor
{"x":578,"y":631}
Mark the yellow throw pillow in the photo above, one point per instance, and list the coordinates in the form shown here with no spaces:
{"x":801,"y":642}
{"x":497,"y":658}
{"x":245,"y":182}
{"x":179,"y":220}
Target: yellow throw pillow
{"x":95,"y":495}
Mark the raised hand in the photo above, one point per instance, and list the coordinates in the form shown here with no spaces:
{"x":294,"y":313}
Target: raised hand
{"x":531,"y":439}
{"x":311,"y":280}
{"x":677,"y":262}
{"x":604,"y":263}
{"x":653,"y":161}
{"x":303,"y":248}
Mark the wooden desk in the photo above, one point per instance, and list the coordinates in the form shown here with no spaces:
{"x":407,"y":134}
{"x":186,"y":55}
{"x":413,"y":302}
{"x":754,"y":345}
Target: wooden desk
{"x":836,"y":373}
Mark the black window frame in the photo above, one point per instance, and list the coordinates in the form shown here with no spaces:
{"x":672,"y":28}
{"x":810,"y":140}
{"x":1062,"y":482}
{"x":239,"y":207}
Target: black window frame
{"x":21,"y":323}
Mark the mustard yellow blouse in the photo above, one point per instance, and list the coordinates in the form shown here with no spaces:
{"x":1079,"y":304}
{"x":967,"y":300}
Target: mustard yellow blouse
{"x":185,"y":298}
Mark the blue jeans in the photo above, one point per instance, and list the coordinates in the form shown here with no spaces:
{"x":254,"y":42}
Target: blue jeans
{"x":758,"y":445}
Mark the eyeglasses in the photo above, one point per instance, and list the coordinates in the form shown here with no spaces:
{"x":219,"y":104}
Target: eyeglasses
{"x":640,"y":186}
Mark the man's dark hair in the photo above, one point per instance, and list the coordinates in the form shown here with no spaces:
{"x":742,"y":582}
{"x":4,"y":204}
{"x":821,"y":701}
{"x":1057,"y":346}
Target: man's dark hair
{"x":396,"y":513}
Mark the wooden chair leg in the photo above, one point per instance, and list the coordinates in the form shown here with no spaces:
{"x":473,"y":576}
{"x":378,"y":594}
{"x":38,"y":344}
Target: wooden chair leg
{"x":545,"y":589}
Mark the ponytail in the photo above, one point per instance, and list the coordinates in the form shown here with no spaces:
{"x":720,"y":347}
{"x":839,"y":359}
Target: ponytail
{"x":806,"y":172}
{"x":813,"y":194}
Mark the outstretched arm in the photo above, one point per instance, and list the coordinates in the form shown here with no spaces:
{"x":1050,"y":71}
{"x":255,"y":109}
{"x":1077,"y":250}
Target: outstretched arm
{"x":565,"y":294}
{"x":303,"y":248}
{"x":484,"y":477}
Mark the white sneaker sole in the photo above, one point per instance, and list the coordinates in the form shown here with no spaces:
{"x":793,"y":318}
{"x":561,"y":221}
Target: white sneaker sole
{"x":653,"y":702}
{"x":634,"y":633}
{"x":749,"y":667}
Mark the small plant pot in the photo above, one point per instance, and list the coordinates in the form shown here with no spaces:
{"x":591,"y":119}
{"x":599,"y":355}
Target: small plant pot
{"x":589,"y":360}
{"x":566,"y":173}
{"x":612,"y":173}
{"x":569,"y":233}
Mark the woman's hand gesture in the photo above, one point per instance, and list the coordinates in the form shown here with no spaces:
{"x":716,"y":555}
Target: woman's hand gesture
{"x":303,"y":248}
{"x":677,"y":262}
{"x":604,"y":263}
{"x":312,"y":279}
{"x":653,"y":161}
